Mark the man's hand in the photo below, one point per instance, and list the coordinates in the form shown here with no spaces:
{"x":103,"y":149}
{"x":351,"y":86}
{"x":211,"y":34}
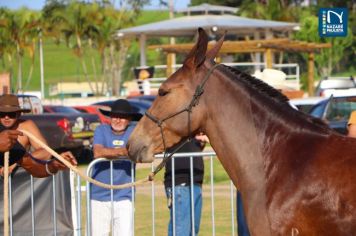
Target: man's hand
{"x":57,"y":165}
{"x":8,"y":138}
{"x":202,"y":138}
{"x":11,"y":168}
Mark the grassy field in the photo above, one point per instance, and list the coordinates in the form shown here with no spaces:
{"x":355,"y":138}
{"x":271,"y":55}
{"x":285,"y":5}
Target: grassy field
{"x":222,"y":206}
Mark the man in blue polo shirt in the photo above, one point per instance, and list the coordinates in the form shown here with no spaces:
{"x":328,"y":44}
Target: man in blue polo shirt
{"x":110,"y":142}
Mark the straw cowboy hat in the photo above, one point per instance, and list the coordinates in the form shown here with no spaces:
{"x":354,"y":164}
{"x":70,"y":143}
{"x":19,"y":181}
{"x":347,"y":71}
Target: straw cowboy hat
{"x":275,"y":78}
{"x":10,"y":103}
{"x":122,"y":107}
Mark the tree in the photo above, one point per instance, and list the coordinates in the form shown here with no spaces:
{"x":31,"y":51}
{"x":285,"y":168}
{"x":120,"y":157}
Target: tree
{"x":19,"y":31}
{"x":270,"y":10}
{"x":90,"y":27}
{"x":327,"y":59}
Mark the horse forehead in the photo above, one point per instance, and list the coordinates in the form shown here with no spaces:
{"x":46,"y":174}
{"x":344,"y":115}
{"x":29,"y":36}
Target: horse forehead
{"x":183,"y":74}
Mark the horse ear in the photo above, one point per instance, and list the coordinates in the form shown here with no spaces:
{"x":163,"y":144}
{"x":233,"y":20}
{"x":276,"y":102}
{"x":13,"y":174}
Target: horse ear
{"x":211,"y":54}
{"x":196,"y":56}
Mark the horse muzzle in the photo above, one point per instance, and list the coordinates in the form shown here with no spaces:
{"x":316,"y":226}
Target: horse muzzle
{"x":139,"y":153}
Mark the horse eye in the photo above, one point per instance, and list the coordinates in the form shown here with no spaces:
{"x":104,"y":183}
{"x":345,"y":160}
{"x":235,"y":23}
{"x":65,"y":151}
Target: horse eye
{"x":162,"y":92}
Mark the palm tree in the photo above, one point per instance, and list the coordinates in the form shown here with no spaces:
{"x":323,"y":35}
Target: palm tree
{"x":73,"y":24}
{"x":109,"y":48}
{"x":7,"y":46}
{"x":89,"y":26}
{"x":269,"y":10}
{"x":20,"y":29}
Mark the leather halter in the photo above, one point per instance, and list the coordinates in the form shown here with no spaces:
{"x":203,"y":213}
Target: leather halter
{"x":199,"y":90}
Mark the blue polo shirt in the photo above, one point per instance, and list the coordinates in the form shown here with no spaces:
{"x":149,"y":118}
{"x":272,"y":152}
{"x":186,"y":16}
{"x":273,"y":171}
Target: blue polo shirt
{"x":121,"y":168}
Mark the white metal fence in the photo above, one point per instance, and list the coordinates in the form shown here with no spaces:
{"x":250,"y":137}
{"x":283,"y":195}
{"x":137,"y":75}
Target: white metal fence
{"x":81,"y":200}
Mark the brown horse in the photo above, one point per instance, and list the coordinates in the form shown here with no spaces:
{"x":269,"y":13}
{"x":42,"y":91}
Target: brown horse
{"x":296,"y":175}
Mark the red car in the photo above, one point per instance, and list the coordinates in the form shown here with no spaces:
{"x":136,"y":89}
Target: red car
{"x":94,"y":109}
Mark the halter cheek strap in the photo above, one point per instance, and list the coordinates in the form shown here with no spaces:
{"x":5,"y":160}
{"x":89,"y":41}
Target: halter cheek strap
{"x":199,"y":90}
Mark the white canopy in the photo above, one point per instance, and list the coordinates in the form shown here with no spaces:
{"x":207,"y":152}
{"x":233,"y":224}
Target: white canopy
{"x":188,"y":25}
{"x":213,"y":24}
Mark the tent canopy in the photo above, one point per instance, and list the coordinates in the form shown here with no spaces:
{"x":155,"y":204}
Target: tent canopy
{"x":218,"y":24}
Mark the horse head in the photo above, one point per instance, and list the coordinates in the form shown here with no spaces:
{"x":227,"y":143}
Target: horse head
{"x":175,"y":113}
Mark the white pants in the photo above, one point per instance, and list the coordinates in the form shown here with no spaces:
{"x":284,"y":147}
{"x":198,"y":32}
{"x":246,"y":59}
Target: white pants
{"x":146,"y":87}
{"x":101,"y":218}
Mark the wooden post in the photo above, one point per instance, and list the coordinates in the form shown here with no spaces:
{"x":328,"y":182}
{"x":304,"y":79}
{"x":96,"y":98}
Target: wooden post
{"x":311,"y":74}
{"x":269,"y":58}
{"x":6,"y":194}
{"x":142,"y":50}
{"x":170,"y":58}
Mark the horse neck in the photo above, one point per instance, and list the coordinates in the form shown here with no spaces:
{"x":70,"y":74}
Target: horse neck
{"x":231,"y":132}
{"x":244,"y":125}
{"x":235,"y":139}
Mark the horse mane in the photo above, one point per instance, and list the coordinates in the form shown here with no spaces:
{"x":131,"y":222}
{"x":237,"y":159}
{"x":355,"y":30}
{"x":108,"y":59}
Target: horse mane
{"x":259,"y":85}
{"x":267,"y":90}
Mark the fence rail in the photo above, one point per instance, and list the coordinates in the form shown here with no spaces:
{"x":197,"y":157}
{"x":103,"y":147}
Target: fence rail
{"x":79,"y":193}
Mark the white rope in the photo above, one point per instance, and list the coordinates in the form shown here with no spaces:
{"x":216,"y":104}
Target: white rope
{"x":76,"y":170}
{"x":6,"y":194}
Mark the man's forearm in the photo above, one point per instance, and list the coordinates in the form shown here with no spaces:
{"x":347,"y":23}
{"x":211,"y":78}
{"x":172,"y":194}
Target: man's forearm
{"x":109,"y":153}
{"x":41,"y":154}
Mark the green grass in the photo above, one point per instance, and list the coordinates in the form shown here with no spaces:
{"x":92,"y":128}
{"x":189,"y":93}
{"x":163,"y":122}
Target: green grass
{"x":143,"y":217}
{"x":143,"y":213}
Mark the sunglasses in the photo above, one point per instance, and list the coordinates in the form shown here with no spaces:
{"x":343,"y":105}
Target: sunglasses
{"x":11,"y":115}
{"x":120,"y":116}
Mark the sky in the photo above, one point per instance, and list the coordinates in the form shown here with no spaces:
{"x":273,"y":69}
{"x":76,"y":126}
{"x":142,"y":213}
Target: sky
{"x":38,"y":4}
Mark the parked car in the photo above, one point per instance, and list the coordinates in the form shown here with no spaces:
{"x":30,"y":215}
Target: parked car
{"x":93,"y":109}
{"x":335,"y":111}
{"x":80,"y":125}
{"x":59,"y":109}
{"x":83,"y":125}
{"x":305,"y":104}
{"x":340,"y":86}
{"x":149,"y":98}
{"x":63,"y":131}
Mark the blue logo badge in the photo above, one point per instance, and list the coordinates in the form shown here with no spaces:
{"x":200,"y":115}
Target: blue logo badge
{"x":333,"y":22}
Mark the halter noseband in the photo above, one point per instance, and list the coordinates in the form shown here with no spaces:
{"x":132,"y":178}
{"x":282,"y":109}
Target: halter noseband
{"x":199,"y":90}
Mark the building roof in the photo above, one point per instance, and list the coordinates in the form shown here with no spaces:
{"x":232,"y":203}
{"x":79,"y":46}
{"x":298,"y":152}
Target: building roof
{"x":187,"y":26}
{"x":208,"y":8}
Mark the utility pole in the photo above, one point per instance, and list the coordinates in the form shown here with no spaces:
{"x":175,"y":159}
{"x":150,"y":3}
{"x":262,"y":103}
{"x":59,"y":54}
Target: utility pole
{"x":41,"y":65}
{"x":171,"y":57}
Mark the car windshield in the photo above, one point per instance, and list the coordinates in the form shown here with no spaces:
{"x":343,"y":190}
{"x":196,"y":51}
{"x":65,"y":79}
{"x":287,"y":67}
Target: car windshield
{"x":317,"y":110}
{"x":341,"y":108}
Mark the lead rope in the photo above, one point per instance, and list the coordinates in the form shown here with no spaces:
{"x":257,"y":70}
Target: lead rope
{"x":6,"y":194}
{"x":76,"y":170}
